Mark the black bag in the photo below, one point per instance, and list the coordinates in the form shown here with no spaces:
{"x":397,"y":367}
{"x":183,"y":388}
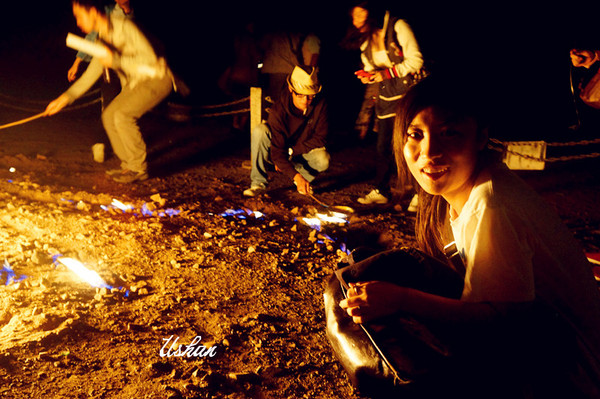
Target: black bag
{"x":397,"y":354}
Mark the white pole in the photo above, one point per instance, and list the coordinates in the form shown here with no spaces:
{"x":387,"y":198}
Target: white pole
{"x":255,"y":107}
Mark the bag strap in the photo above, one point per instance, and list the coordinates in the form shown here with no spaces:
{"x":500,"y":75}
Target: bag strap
{"x":453,"y":256}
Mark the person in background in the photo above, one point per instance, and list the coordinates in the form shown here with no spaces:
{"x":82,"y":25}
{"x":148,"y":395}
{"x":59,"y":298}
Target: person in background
{"x":242,"y":71}
{"x":293,"y":139}
{"x":109,"y":84}
{"x":145,"y":78}
{"x":282,"y":50}
{"x":585,"y":83}
{"x":121,"y":8}
{"x":528,"y":322}
{"x":390,"y":55}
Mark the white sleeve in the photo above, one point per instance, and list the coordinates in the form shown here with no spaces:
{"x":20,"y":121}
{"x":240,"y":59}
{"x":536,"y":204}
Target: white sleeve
{"x":413,"y":59}
{"x":367,"y":66}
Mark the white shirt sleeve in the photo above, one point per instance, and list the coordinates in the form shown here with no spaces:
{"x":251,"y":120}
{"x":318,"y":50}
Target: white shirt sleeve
{"x":413,"y":59}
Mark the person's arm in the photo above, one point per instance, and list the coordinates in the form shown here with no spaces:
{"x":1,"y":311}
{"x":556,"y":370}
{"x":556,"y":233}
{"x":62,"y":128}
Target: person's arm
{"x":320,"y":131}
{"x":77,"y":89}
{"x":367,"y":74}
{"x":72,"y":72}
{"x":86,"y":81}
{"x":413,"y":59}
{"x":279,"y":148}
{"x":372,"y":300}
{"x":499,"y":273}
{"x":279,"y":151}
{"x":81,"y":57}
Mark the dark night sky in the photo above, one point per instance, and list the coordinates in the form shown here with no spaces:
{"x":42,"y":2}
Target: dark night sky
{"x":520,"y":52}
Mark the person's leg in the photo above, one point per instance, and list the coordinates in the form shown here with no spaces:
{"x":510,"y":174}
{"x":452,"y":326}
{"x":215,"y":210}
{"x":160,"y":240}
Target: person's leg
{"x":314,"y":162}
{"x":384,"y":163}
{"x":381,"y":192}
{"x":121,"y":116}
{"x":109,"y":89}
{"x":260,"y":155}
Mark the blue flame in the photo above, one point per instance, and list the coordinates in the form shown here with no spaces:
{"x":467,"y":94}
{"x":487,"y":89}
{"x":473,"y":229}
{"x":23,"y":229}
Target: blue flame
{"x":242,"y":213}
{"x":143,"y":211}
{"x":11,"y":276}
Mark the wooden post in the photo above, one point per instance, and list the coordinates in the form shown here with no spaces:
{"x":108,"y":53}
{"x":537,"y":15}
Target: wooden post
{"x":255,"y":107}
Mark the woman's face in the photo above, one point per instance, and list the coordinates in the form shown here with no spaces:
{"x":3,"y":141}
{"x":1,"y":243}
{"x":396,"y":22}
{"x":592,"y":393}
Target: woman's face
{"x":441,"y":152}
{"x":85,"y":18}
{"x":359,"y":18}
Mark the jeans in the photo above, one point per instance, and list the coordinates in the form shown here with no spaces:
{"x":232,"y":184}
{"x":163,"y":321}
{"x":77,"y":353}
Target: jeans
{"x":121,"y":115}
{"x":308,"y":165}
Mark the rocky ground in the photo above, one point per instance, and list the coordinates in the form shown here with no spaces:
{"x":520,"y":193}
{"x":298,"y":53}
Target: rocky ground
{"x":186,"y":257}
{"x":176,"y":266}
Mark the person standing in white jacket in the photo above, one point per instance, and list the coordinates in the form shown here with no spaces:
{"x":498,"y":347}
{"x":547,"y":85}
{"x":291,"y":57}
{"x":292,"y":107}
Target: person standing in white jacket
{"x":145,"y":78}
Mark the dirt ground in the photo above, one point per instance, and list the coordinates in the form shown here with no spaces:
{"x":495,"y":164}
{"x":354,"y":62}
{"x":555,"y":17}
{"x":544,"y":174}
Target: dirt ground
{"x":180,"y":268}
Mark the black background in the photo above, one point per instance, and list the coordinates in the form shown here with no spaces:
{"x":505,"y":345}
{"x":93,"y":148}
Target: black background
{"x":519,"y":50}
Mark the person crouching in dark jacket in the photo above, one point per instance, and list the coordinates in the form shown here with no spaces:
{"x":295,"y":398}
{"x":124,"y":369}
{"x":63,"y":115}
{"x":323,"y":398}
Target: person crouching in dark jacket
{"x":294,"y":137}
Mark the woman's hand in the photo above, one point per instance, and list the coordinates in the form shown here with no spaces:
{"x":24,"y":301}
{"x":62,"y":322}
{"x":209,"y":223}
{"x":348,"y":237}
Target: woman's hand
{"x":378,"y":76}
{"x":583,"y":58}
{"x":57,"y":105}
{"x":373,"y":299}
{"x":364,"y":76}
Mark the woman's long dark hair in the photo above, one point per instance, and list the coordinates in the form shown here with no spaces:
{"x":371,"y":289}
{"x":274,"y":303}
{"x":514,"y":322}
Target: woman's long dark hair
{"x":462,"y":99}
{"x":354,"y":38}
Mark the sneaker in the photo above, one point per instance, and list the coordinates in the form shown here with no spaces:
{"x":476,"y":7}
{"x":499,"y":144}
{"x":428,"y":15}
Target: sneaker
{"x":115,"y":172}
{"x":414,"y":204}
{"x":374,"y":197}
{"x":254,"y":191}
{"x":130,"y":176}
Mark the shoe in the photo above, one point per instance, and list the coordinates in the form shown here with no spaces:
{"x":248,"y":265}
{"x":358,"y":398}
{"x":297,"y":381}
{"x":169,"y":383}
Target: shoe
{"x":374,"y":197}
{"x":414,"y":204}
{"x":115,"y":172}
{"x":130,"y":176}
{"x":253,"y":191}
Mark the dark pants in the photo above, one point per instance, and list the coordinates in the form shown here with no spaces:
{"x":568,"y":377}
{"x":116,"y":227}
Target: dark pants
{"x":385,"y":164}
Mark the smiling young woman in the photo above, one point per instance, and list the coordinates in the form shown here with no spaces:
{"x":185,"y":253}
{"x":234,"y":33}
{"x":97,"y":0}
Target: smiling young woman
{"x":528,"y":319}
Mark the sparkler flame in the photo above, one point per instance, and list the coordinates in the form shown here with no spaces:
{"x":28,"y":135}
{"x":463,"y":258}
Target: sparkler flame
{"x":145,"y":209}
{"x":317,"y":221}
{"x":87,"y":275}
{"x":118,"y":204}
